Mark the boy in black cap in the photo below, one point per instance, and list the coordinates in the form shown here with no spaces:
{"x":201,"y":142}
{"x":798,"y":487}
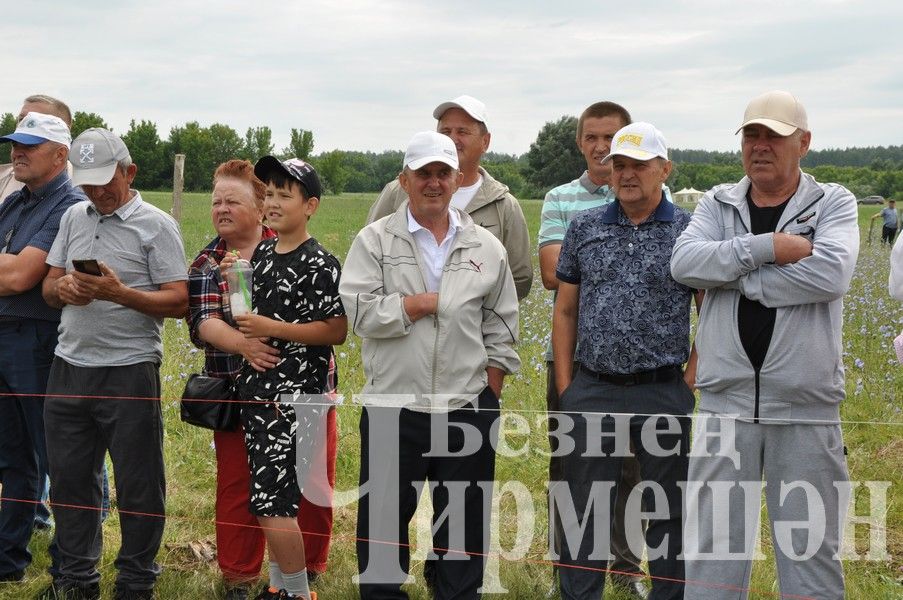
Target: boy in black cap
{"x":297,"y":308}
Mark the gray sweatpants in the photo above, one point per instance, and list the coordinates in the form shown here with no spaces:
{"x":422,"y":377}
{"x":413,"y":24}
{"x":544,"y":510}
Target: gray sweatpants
{"x":800,"y":464}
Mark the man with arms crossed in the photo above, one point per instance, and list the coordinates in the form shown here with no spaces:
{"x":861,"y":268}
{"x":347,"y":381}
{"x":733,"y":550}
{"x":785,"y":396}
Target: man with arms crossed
{"x":775,"y":253}
{"x":29,"y":220}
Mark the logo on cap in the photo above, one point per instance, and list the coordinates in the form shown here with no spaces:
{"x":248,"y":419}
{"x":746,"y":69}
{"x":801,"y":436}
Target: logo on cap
{"x":86,"y":154}
{"x":30,"y":123}
{"x":630,"y":138}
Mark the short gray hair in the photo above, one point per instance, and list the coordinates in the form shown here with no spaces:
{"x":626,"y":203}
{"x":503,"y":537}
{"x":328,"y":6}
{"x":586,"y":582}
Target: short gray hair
{"x":58,"y":107}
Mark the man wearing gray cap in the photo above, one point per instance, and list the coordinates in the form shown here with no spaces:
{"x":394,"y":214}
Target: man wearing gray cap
{"x":440,"y":360}
{"x":29,"y":219}
{"x":775,"y":253}
{"x":487,"y":201}
{"x":117,"y":268}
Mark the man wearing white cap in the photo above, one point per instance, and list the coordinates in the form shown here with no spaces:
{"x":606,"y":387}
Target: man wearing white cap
{"x":39,"y":103}
{"x":487,"y":201}
{"x":29,"y":220}
{"x":775,"y":254}
{"x":117,"y":268}
{"x":624,"y":319}
{"x":441,"y":356}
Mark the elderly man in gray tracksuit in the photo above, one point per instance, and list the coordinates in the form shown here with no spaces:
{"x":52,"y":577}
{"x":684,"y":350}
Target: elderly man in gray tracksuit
{"x":775,"y":254}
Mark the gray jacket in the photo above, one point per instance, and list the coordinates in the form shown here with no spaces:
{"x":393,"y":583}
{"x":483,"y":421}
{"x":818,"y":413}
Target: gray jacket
{"x":802,"y":376}
{"x":492,"y":208}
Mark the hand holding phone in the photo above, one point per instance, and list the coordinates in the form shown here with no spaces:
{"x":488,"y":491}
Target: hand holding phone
{"x":88,"y":266}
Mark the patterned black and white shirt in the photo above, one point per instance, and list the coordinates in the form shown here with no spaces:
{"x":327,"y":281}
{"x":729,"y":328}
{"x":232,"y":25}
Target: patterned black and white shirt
{"x":297,"y":287}
{"x":633,"y":316}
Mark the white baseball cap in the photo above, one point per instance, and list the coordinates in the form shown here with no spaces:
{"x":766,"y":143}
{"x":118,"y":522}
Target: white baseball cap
{"x":429,"y":146}
{"x":468,"y":104}
{"x":779,"y":111}
{"x":94,"y":155}
{"x":36,"y":128}
{"x":640,"y":141}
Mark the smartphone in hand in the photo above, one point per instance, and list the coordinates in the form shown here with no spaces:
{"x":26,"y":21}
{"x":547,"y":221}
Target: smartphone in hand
{"x":87,"y":265}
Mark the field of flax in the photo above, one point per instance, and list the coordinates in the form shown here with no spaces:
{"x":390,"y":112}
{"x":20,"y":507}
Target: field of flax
{"x":873,"y":429}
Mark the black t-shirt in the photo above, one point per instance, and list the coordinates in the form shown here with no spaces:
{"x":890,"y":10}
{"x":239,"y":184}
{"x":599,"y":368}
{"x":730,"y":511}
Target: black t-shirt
{"x":296,"y":287}
{"x":754,"y":320}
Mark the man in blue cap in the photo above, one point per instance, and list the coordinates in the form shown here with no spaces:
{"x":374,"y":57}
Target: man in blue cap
{"x":29,"y":220}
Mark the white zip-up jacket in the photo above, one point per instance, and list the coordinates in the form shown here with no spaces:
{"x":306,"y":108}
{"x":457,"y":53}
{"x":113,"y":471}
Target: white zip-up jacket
{"x":441,"y":358}
{"x":802,"y":376}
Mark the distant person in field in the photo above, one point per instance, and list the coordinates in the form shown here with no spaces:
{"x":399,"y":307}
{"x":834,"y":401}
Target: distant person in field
{"x":434,"y":365}
{"x":237,"y":214}
{"x":298,"y":312}
{"x":487,"y":201}
{"x":891,"y":221}
{"x":29,"y":221}
{"x":775,"y":254}
{"x":595,"y":130}
{"x":104,"y":386}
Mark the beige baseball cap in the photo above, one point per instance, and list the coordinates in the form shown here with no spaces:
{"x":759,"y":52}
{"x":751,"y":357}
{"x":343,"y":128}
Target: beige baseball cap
{"x":778,"y":110}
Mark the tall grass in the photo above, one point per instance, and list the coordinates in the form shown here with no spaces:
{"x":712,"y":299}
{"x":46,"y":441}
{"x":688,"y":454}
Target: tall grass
{"x":872,"y":413}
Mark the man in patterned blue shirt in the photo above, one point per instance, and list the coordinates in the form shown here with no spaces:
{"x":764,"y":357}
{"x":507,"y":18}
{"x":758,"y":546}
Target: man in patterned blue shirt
{"x":616,"y":297}
{"x":596,"y":128}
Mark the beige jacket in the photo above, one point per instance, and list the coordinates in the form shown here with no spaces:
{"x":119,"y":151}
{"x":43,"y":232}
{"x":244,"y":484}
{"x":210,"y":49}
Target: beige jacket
{"x":492,"y":208}
{"x":440,"y":359}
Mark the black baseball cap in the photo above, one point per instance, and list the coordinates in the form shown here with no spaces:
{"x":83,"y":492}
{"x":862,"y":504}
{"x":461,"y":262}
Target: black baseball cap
{"x":295,"y":168}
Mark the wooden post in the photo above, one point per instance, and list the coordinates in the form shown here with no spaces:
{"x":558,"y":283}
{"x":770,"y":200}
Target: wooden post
{"x":178,"y":183}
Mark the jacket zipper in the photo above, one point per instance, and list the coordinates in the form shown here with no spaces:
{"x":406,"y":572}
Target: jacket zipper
{"x":757,"y":371}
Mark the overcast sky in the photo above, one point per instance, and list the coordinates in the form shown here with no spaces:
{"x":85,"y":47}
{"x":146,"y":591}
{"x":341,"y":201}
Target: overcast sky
{"x":366,"y":75}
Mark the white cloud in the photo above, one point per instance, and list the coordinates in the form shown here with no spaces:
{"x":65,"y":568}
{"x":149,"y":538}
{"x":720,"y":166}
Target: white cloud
{"x":366,"y":75}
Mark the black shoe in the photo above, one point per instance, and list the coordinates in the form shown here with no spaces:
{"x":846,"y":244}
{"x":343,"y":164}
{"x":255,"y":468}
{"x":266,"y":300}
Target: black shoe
{"x":12,"y":576}
{"x":70,"y":591}
{"x":121,"y":593}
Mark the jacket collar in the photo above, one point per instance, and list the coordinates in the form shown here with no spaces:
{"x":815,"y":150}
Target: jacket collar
{"x":807,"y":192}
{"x":489,"y":191}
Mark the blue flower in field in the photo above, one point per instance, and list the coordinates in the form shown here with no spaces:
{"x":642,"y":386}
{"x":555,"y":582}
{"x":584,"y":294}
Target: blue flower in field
{"x":859,"y":363}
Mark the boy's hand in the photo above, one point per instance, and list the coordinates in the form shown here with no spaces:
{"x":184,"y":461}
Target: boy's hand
{"x":260,"y":355}
{"x":255,"y":326}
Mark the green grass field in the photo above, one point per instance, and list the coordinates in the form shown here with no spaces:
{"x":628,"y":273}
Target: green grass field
{"x":872,"y":415}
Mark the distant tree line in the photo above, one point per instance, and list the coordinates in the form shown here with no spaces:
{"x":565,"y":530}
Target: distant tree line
{"x":553,"y":159}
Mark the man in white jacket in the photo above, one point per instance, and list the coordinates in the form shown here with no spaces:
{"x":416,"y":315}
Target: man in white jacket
{"x":432,"y":296}
{"x":775,"y":254}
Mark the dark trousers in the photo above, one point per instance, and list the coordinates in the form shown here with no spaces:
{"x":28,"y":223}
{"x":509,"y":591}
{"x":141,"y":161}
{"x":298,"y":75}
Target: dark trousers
{"x":625,"y":563}
{"x":590,"y":466}
{"x":26,"y":352}
{"x":88,"y":412}
{"x":456,"y":575}
{"x":888,"y":234}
